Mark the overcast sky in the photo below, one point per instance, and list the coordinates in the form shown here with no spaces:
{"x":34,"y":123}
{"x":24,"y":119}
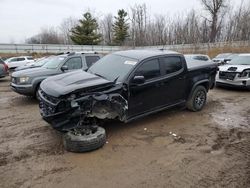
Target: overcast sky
{"x":20,"y":19}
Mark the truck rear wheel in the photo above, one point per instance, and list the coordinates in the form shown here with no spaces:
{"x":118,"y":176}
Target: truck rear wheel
{"x":198,"y":99}
{"x":74,"y":141}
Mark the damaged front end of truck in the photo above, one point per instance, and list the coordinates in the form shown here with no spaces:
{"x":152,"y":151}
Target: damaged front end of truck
{"x":83,"y":109}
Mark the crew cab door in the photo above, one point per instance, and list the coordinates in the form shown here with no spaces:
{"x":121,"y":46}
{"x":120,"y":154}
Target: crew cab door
{"x":173,"y":80}
{"x":145,"y":96}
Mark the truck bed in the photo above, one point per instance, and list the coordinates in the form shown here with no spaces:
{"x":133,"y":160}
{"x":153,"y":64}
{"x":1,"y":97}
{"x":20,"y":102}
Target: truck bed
{"x":196,"y":64}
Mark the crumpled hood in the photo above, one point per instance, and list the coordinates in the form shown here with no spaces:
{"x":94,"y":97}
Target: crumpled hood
{"x":235,"y":68}
{"x":68,"y":82}
{"x":35,"y":72}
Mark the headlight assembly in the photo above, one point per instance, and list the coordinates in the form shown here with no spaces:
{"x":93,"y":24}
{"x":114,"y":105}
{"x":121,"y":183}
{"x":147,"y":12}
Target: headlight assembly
{"x":23,"y":80}
{"x":245,"y":73}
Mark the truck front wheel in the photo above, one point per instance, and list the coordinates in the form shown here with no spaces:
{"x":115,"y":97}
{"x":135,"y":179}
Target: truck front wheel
{"x":198,"y":99}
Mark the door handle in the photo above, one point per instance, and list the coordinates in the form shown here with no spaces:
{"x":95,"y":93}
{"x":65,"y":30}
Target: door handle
{"x":159,"y":84}
{"x":182,"y":78}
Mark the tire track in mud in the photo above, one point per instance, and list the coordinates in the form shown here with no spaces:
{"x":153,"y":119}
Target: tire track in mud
{"x":235,"y":144}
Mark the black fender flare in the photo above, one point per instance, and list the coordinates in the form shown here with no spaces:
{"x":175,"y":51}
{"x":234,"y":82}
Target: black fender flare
{"x":200,"y":82}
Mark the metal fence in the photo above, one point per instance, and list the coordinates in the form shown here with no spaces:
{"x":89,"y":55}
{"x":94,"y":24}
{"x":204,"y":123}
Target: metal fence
{"x":55,"y":48}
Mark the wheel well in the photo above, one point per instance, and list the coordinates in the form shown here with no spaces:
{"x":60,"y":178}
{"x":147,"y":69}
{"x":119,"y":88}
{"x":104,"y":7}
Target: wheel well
{"x":205,"y":84}
{"x":36,"y":88}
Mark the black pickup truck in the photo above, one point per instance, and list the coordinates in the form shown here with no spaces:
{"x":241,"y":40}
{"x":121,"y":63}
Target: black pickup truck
{"x":125,"y":85}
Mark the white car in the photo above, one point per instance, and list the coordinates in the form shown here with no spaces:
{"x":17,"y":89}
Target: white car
{"x":222,"y":59}
{"x":15,"y":62}
{"x":236,"y":73}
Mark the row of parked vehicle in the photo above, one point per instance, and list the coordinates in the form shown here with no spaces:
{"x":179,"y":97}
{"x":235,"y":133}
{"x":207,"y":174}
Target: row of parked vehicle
{"x":78,"y":91}
{"x":235,"y":71}
{"x":220,"y":59}
{"x":27,"y":79}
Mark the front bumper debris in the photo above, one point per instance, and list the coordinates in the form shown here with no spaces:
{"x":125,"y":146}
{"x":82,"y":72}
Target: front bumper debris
{"x":65,"y":114}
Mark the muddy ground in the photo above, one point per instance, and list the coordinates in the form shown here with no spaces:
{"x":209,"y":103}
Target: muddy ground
{"x":213,"y":151}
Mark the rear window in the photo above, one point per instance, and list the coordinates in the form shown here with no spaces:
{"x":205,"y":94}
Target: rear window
{"x":202,"y":58}
{"x":30,"y":58}
{"x":90,"y":60}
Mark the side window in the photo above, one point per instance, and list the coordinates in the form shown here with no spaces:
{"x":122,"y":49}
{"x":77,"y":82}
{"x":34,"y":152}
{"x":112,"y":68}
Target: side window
{"x":202,"y":58}
{"x":20,"y":59}
{"x":74,"y":63}
{"x":90,"y":60}
{"x":172,"y":64}
{"x":150,"y":69}
{"x":30,"y":58}
{"x":14,"y":59}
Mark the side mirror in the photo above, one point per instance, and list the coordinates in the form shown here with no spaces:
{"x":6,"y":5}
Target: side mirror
{"x":64,"y":68}
{"x":138,"y":79}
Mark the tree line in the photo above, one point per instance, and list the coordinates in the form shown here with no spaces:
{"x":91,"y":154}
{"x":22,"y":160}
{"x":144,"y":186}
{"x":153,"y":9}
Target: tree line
{"x":219,"y":21}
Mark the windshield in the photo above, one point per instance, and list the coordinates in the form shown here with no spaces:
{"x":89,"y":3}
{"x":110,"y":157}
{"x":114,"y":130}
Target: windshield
{"x":232,"y":56}
{"x":113,"y":67}
{"x":54,"y":62}
{"x":223,"y":55}
{"x":41,"y":62}
{"x":240,"y":60}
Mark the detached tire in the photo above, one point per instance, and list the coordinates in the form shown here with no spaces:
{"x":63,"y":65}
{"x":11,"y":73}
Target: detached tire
{"x":83,"y":143}
{"x":198,"y":99}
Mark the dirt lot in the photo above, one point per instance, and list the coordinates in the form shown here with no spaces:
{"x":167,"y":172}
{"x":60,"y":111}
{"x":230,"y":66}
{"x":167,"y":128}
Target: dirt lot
{"x":213,"y":151}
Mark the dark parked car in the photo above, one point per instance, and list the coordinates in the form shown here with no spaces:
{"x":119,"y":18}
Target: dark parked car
{"x":26,"y":82}
{"x":125,"y":85}
{"x":4,"y":70}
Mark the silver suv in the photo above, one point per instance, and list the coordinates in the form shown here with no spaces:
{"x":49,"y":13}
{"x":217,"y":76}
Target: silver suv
{"x":236,"y":73}
{"x":26,"y":82}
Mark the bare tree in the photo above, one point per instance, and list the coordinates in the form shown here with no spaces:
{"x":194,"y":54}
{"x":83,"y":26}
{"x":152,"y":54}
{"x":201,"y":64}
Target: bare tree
{"x":46,"y":36}
{"x":106,"y":28}
{"x":216,"y":10}
{"x":160,"y":30}
{"x":139,"y":20}
{"x":65,"y":28}
{"x":190,"y":28}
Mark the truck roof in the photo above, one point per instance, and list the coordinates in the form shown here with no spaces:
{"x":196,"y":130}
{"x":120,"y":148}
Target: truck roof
{"x":143,"y":54}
